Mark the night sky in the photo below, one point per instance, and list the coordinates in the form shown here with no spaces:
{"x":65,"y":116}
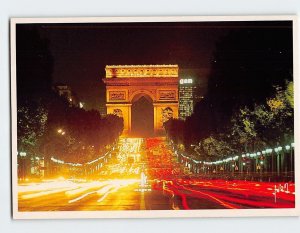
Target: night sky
{"x":81,"y":51}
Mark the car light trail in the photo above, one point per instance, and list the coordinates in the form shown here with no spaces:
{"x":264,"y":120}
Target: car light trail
{"x":43,"y":193}
{"x":108,"y":192}
{"x":81,"y":197}
{"x":86,"y":187}
{"x":150,"y":165}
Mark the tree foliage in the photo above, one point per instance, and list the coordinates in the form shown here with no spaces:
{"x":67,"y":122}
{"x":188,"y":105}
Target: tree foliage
{"x":215,"y":146}
{"x":85,"y":136}
{"x":249,"y":101}
{"x":31,"y":120}
{"x":42,"y":115}
{"x":246,"y":65}
{"x":265,"y":125}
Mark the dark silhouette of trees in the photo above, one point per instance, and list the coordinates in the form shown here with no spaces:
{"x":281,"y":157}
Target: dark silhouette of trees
{"x":85,"y":134}
{"x":249,"y":101}
{"x":47,"y":124}
{"x":175,"y":130}
{"x":34,"y":76}
{"x":247,"y":64}
{"x":268,"y":124}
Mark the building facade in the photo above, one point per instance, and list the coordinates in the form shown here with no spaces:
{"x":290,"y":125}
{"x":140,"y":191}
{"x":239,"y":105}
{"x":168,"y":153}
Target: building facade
{"x":187,"y":90}
{"x":65,"y":91}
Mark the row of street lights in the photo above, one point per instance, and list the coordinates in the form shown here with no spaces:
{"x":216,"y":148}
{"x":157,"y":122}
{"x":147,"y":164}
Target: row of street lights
{"x":29,"y":166}
{"x":87,"y":168}
{"x":274,"y":160}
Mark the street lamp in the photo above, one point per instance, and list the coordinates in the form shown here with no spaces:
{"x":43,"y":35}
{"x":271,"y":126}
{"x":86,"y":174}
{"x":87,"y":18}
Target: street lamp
{"x":22,"y":163}
{"x":278,"y":158}
{"x":60,"y":131}
{"x":23,"y":154}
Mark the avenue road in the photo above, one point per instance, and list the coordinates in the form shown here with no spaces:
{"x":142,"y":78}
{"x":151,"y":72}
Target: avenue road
{"x":145,"y":175}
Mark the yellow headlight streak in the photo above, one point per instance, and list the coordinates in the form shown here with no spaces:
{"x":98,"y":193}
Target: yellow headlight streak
{"x":76,"y":190}
{"x":71,"y":189}
{"x":86,"y":187}
{"x":117,"y":184}
{"x":44,"y":193}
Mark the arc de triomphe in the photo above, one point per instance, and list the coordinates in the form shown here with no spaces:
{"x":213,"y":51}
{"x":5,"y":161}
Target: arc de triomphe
{"x":125,"y":84}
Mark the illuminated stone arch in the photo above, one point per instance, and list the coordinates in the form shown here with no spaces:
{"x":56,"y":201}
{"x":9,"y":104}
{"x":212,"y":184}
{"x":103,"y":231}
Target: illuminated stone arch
{"x":127,"y":83}
{"x":139,"y":93}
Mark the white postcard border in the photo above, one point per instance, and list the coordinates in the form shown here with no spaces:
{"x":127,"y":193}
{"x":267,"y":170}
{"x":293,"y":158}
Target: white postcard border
{"x":151,"y":213}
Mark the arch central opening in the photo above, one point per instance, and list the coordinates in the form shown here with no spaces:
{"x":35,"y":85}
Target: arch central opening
{"x":142,"y":116}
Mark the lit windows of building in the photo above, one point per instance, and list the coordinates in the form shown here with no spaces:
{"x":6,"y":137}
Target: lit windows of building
{"x":186,"y":97}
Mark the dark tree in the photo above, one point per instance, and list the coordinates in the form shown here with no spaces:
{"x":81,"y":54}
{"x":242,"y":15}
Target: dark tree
{"x":247,"y":64}
{"x":34,"y":75}
{"x":47,"y":124}
{"x":175,"y":130}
